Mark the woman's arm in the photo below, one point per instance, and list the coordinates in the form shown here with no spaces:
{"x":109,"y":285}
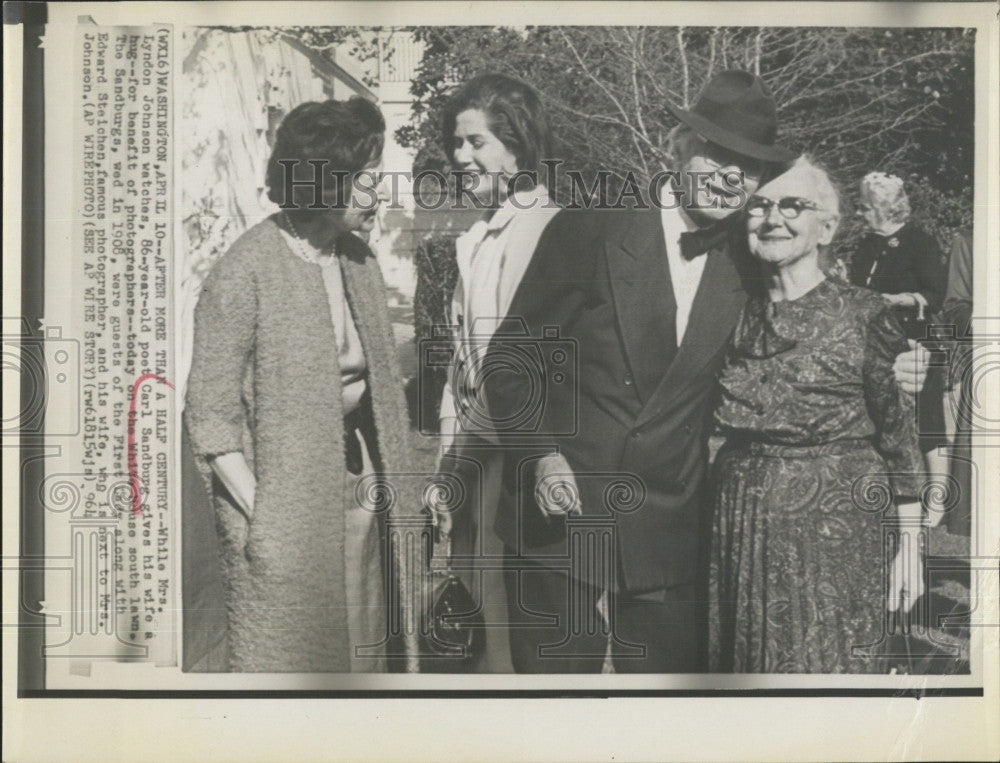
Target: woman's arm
{"x":892,"y":412}
{"x":906,"y":574}
{"x":448,"y":426}
{"x":448,"y":418}
{"x":224,"y":331}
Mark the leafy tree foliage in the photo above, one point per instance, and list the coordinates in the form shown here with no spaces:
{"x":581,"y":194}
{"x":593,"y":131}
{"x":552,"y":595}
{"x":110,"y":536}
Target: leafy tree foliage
{"x":896,"y":100}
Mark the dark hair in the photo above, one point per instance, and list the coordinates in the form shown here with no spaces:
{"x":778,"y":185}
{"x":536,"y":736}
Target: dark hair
{"x":347,"y":134}
{"x":514,"y":113}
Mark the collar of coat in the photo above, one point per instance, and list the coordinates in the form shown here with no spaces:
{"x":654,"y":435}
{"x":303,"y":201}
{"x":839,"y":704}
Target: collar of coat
{"x":525,"y":200}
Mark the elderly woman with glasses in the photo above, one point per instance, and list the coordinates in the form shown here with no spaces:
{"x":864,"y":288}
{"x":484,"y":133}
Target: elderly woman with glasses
{"x":821,"y":453}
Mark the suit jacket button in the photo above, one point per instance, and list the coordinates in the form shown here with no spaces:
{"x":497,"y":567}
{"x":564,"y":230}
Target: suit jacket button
{"x":627,"y":381}
{"x":636,"y":434}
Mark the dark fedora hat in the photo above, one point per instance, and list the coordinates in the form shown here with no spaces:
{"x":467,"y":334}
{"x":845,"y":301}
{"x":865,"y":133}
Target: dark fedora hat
{"x":736,"y":111}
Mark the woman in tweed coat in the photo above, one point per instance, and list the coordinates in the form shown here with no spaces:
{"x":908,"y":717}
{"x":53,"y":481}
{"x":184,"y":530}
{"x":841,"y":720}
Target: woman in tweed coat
{"x":295,"y":401}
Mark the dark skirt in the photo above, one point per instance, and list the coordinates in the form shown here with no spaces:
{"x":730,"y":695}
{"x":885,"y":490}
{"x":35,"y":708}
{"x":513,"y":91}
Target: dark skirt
{"x":797,"y":563}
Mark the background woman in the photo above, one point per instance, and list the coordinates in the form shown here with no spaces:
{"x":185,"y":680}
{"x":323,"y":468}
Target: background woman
{"x":906,"y":266}
{"x":294,"y":394}
{"x":812,"y":416}
{"x":496,"y":133}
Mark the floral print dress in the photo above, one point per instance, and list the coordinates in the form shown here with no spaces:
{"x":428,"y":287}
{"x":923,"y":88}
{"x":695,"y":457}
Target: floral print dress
{"x":819,"y":440}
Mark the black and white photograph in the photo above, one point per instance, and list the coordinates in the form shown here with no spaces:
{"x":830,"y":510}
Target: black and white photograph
{"x":455,"y":353}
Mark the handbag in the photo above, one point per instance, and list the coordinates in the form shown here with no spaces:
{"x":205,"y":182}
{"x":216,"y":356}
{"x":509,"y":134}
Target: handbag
{"x":453,"y":635}
{"x":910,"y":650}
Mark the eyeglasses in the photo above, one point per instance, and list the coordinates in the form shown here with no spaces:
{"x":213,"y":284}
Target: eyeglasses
{"x":790,"y":206}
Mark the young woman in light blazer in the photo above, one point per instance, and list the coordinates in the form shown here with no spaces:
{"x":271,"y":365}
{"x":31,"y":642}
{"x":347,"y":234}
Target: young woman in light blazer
{"x":496,"y":135}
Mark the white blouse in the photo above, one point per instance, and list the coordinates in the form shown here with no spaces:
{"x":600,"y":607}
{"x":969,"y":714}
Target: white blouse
{"x":350,"y":352}
{"x":492,"y":257}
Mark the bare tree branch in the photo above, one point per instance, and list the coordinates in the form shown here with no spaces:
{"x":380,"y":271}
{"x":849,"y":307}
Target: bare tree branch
{"x":686,"y":74}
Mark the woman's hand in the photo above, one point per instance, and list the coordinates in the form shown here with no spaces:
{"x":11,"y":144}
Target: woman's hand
{"x":556,"y":492}
{"x":839,"y":270}
{"x":437,"y":495}
{"x":903,"y":299}
{"x":906,"y":574}
{"x":910,"y":368}
{"x":439,"y":507}
{"x":234,"y":472}
{"x":908,"y":299}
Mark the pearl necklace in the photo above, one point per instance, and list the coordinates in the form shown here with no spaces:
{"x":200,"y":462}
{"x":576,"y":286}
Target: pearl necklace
{"x":304,"y":249}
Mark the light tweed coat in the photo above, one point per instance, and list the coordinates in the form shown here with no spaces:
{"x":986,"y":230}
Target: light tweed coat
{"x":264,"y":380}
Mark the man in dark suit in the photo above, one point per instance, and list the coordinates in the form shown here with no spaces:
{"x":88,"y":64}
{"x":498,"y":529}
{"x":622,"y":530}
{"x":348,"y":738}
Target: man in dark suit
{"x":650,"y":298}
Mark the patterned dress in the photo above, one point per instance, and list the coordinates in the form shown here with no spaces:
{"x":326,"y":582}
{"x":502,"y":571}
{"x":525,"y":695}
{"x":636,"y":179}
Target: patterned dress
{"x":818,"y":441}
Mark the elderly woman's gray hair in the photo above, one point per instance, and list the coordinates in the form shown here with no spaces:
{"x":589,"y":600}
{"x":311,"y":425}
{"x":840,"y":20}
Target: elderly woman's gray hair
{"x":886,"y":195}
{"x":827,"y":196}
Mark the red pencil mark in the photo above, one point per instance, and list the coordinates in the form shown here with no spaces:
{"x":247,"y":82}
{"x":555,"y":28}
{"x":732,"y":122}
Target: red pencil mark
{"x":133,"y":450}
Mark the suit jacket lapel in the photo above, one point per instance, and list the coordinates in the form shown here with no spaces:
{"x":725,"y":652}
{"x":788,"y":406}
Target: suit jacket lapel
{"x":716,"y":308}
{"x":526,"y":229}
{"x":643,"y":298}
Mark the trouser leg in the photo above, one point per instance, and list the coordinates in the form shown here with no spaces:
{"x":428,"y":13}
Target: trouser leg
{"x":670,"y":625}
{"x":544,"y":620}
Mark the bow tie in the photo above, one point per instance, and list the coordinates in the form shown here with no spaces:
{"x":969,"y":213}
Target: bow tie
{"x":700,"y":241}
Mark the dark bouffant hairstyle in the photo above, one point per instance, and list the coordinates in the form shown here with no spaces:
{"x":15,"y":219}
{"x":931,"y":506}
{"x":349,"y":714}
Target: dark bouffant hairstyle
{"x":347,"y":134}
{"x":514,"y":113}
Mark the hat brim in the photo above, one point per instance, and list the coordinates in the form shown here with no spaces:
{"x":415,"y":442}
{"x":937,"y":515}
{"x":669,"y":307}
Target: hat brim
{"x":733,"y":141}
